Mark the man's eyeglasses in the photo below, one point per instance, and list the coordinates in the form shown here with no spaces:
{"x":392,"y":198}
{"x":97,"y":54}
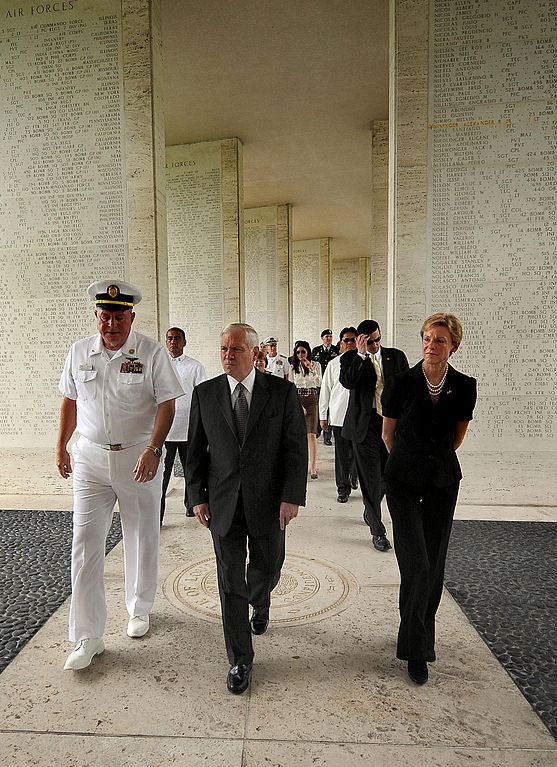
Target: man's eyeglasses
{"x":350,"y":340}
{"x":373,"y":340}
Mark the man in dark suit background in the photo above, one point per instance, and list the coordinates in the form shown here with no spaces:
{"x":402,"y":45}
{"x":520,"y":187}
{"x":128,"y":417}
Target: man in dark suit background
{"x":324,"y":354}
{"x":363,"y":370}
{"x":246,"y":478}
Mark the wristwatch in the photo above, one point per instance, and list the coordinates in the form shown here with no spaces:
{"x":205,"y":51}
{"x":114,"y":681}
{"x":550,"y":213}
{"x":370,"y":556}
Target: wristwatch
{"x":156,"y":450}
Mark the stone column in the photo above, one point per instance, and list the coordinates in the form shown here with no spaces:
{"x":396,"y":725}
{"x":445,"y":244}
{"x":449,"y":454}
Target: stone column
{"x":379,"y":231}
{"x":311,"y":289}
{"x":145,"y":161}
{"x":83,"y":137}
{"x":473,"y":224}
{"x":351,"y":283}
{"x":268,"y":242}
{"x":204,"y":201}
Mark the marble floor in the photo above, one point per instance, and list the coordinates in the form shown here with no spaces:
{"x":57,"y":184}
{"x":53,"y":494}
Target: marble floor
{"x":327,"y":690}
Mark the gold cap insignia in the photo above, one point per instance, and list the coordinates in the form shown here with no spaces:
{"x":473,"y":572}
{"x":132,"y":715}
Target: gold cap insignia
{"x":113,"y":291}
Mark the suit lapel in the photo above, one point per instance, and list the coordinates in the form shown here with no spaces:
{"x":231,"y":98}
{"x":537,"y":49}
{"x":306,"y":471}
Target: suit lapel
{"x":259,"y":398}
{"x":225,"y":403}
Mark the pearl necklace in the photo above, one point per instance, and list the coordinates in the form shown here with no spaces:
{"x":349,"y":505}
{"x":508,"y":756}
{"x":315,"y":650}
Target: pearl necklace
{"x":435,"y":389}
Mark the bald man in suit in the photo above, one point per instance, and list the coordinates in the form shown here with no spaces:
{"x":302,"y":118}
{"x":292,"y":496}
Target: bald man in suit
{"x":246,"y":478}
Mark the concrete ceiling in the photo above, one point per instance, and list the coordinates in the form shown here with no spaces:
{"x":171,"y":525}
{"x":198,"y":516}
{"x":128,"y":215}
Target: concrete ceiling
{"x":299,"y":82}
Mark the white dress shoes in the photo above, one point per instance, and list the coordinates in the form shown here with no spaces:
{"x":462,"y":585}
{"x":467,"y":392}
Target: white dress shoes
{"x":138,"y":626}
{"x":83,"y":653}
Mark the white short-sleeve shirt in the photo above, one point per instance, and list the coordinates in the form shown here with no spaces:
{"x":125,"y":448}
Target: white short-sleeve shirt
{"x":117,"y":397}
{"x":190,"y":372}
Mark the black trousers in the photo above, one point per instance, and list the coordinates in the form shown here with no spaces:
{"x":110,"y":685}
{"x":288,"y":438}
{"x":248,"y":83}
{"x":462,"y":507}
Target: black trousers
{"x":422,"y":520}
{"x":371,"y":456}
{"x":169,"y":458}
{"x":345,"y":465}
{"x":240,"y":586}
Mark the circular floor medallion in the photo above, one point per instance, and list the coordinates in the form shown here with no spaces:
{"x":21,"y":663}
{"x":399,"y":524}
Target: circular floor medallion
{"x":309,"y":590}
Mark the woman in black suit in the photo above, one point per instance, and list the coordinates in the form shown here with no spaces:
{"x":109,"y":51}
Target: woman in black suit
{"x":426,"y":412}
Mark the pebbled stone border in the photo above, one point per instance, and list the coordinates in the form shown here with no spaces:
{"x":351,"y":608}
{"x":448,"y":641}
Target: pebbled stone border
{"x":504,"y":577}
{"x":35,"y":551}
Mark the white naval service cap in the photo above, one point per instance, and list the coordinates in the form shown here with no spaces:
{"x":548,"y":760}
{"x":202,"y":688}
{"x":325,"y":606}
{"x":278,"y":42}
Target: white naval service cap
{"x":114,"y":294}
{"x":271,"y":340}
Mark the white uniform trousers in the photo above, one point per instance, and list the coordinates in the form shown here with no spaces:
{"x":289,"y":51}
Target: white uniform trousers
{"x":100,"y":477}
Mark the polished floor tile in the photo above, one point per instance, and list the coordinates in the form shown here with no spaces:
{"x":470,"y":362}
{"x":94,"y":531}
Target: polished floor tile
{"x":327,"y":690}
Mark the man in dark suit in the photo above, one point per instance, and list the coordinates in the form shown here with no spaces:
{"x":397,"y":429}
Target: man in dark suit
{"x":324,"y":354}
{"x":363,"y":370}
{"x":246,"y":478}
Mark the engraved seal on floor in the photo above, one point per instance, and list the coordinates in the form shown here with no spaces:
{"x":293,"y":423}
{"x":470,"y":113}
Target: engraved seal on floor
{"x":309,"y":590}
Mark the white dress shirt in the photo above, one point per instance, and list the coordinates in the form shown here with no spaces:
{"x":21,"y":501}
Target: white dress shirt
{"x":333,"y":396}
{"x":312,"y":379}
{"x":248,"y":382}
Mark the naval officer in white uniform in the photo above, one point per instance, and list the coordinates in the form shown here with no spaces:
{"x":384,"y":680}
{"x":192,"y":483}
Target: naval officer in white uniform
{"x":118,"y":392}
{"x":277,"y":364}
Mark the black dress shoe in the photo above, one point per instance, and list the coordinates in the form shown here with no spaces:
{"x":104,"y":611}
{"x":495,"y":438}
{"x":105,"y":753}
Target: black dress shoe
{"x":238,"y":678}
{"x":259,"y":622}
{"x":381,"y":542}
{"x":342,"y":498}
{"x":417,"y":671}
{"x":354,"y":483}
{"x":327,"y":442}
{"x":189,"y":512}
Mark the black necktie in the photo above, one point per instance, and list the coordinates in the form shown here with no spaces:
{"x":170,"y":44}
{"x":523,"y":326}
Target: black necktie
{"x":240,"y":409}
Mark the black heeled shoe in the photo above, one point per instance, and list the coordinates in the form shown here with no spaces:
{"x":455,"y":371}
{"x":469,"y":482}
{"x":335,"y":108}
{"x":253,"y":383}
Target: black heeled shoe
{"x":417,"y":671}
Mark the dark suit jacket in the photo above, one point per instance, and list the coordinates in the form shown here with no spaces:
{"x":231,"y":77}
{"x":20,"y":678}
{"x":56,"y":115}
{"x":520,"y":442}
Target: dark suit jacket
{"x":358,"y":375}
{"x":271,"y":465}
{"x":423,"y":452}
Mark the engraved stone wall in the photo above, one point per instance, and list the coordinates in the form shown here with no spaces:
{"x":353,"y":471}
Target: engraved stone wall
{"x":74,"y":143}
{"x":145,"y":161}
{"x":311,"y":289}
{"x":379,"y":253}
{"x":63,"y":217}
{"x":203,"y":198}
{"x":487,"y":247}
{"x":350,"y":288}
{"x":267,"y":246}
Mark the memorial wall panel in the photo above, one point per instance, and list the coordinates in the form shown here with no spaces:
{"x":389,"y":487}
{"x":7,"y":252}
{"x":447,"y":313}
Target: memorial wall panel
{"x":408,"y":163}
{"x":63,"y":206}
{"x":203,"y":197}
{"x":379,"y":231}
{"x":350,"y":289}
{"x":492,"y":235}
{"x":267,"y":245}
{"x":145,"y":161}
{"x":311,"y":289}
